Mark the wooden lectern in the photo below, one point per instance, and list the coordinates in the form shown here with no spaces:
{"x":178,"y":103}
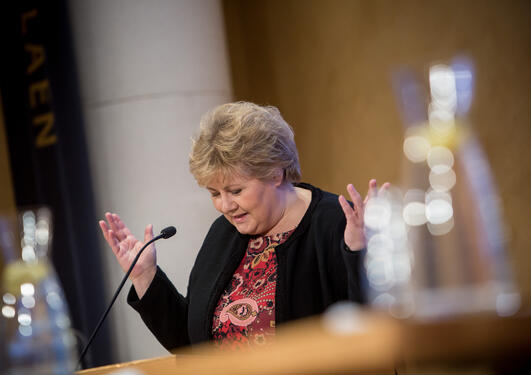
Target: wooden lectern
{"x":378,"y":344}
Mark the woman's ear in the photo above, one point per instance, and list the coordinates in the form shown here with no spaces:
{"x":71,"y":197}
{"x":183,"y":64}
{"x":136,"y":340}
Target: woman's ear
{"x":279,"y":177}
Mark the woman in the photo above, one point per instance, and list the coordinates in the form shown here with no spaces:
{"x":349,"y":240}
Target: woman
{"x":281,"y":250}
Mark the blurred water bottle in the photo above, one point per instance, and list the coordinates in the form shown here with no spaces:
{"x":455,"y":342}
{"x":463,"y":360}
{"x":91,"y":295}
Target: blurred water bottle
{"x":438,"y":247}
{"x":38,"y":338}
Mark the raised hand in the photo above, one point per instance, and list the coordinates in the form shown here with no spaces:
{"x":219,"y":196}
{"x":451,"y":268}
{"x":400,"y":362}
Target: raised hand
{"x":125,"y":247}
{"x":354,"y":229}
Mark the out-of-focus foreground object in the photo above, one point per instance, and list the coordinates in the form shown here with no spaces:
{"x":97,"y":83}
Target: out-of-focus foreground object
{"x":375,"y":344}
{"x":437,"y":246}
{"x":38,"y":338}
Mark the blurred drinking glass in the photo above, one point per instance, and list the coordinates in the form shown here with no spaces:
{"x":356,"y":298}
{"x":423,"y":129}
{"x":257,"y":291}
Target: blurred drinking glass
{"x":441,"y":248}
{"x":38,"y":338}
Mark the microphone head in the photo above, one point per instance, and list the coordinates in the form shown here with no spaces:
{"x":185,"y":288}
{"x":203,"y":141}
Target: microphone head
{"x":168,"y":232}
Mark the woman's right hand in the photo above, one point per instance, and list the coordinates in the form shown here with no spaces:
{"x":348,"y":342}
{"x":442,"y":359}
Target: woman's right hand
{"x":125,"y":247}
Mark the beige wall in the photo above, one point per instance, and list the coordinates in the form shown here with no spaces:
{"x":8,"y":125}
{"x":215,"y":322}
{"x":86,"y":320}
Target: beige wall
{"x":148,"y":70}
{"x":327,"y":65}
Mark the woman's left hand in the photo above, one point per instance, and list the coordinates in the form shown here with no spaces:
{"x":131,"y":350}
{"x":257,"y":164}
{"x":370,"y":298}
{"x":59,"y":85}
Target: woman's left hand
{"x":354,"y":230}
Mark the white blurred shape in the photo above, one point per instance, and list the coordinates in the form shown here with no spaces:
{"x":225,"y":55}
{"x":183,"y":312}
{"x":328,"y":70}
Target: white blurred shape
{"x":9,"y":299}
{"x":442,"y":123}
{"x":380,"y":244}
{"x":27,"y":289}
{"x":28,"y":219}
{"x":343,"y":318}
{"x":28,"y":302}
{"x":8,"y":311}
{"x":439,"y":211}
{"x":414,"y":213}
{"x":384,"y":301}
{"x":377,"y":213}
{"x":442,"y":88}
{"x":440,"y":117}
{"x":28,"y":253}
{"x":507,"y":304}
{"x":397,"y":228}
{"x":402,"y":267}
{"x":440,"y":159}
{"x":62,"y":321}
{"x":25,"y":330}
{"x":42,"y":233}
{"x":442,"y":181}
{"x":54,"y":301}
{"x":24,"y":319}
{"x":416,"y":148}
{"x":441,"y":229}
{"x":380,"y":272}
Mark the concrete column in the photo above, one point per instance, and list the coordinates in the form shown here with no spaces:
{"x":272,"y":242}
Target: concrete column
{"x":148,"y":70}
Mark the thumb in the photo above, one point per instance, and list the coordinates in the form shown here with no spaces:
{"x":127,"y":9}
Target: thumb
{"x":148,"y":233}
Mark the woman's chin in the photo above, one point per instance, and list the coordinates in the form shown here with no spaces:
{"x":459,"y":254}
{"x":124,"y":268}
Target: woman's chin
{"x":244,"y":228}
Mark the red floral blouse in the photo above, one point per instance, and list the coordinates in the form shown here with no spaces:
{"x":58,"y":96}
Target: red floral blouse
{"x":245,"y":314}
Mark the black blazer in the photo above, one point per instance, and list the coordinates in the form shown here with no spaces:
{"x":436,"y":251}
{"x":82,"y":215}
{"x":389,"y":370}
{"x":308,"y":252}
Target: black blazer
{"x":315,"y":269}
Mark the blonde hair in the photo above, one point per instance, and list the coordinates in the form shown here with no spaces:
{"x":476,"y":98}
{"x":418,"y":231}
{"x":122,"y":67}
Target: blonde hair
{"x":244,"y":137}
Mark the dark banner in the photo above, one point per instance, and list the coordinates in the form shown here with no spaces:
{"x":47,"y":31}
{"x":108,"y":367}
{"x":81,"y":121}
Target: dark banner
{"x":48,"y":153}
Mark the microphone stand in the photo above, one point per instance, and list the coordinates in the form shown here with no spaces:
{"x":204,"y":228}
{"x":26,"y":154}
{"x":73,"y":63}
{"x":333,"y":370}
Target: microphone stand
{"x":165,"y":233}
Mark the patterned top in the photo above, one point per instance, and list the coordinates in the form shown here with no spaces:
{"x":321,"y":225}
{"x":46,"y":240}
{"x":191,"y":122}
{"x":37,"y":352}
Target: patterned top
{"x":245,"y":314}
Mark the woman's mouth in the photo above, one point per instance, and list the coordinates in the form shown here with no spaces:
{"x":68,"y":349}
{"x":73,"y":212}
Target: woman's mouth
{"x":239,"y":218}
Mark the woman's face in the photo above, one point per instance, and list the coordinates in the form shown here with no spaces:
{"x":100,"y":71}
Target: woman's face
{"x":251,"y":205}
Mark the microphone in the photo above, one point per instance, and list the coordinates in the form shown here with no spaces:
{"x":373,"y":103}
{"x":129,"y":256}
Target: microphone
{"x":165,"y":234}
{"x":168,"y":232}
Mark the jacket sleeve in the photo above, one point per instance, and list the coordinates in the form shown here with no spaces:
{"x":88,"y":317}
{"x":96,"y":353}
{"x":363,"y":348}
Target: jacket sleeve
{"x":356,"y":276}
{"x":348,"y":266}
{"x":164,"y":311}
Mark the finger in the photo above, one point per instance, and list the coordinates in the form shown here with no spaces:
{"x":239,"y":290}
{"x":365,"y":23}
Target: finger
{"x":104,"y":228}
{"x":148,"y":233}
{"x":384,"y":188}
{"x":108,"y":217}
{"x":347,"y":210}
{"x":112,"y":241}
{"x":107,"y":233}
{"x":119,"y":228}
{"x":373,"y":189}
{"x":112,"y":222}
{"x":356,"y":199}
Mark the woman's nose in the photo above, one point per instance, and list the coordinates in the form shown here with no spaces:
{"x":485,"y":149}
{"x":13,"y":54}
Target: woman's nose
{"x":227,"y":204}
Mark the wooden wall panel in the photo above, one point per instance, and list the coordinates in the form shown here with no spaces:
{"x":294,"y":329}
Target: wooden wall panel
{"x":327,"y":65}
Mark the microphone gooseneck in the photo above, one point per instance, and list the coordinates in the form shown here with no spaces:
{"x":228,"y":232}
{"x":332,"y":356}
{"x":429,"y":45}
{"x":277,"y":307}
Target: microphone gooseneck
{"x":165,"y":233}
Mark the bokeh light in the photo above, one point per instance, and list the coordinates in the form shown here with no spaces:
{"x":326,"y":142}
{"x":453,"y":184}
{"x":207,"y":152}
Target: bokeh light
{"x":8,"y":311}
{"x":441,"y":229}
{"x":416,"y":148}
{"x":9,"y":299}
{"x":377,"y":213}
{"x":440,"y":159}
{"x":442,"y":181}
{"x":24,"y":318}
{"x":27,"y":289}
{"x":438,"y":207}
